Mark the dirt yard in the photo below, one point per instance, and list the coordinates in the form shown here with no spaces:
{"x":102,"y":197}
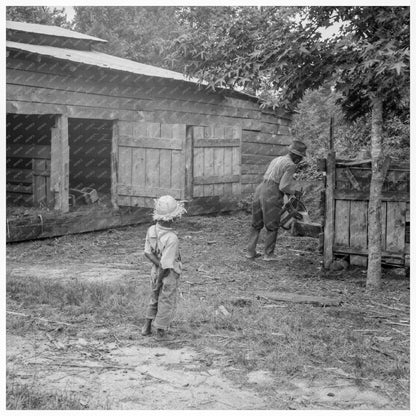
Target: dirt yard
{"x":75,"y":306}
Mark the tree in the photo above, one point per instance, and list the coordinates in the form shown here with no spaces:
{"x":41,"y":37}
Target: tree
{"x":137,"y":33}
{"x":43,"y":15}
{"x":282,"y":49}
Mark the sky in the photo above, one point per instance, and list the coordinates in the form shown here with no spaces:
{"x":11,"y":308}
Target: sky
{"x":70,"y":12}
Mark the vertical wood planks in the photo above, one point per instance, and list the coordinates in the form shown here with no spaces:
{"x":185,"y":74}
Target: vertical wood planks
{"x":124,"y":172}
{"x":189,"y":163}
{"x":137,"y":173}
{"x":198,"y":133}
{"x":178,"y":168}
{"x":236,"y":160}
{"x":395,"y":226}
{"x":218,"y":161}
{"x":150,"y":165}
{"x":166,"y":166}
{"x":394,"y":213}
{"x":358,"y":224}
{"x":228,"y":160}
{"x":137,"y":166}
{"x":153,"y":158}
{"x":228,"y":169}
{"x":342,"y":223}
{"x":153,"y":130}
{"x":208,"y":169}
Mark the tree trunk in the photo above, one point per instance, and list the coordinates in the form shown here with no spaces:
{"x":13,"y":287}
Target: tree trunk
{"x":374,"y":205}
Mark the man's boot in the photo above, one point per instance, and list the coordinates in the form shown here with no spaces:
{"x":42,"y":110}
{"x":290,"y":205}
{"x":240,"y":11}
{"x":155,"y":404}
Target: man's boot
{"x":253,"y":238}
{"x":161,"y":335}
{"x":147,"y":327}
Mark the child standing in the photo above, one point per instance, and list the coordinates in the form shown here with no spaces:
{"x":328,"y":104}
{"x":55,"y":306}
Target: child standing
{"x":162,"y":249}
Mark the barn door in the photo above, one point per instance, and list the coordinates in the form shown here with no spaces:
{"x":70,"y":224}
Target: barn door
{"x":216,"y":160}
{"x":151,"y":162}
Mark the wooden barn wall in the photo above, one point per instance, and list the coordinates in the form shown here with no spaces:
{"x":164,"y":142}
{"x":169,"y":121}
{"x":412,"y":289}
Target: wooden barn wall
{"x":51,"y":87}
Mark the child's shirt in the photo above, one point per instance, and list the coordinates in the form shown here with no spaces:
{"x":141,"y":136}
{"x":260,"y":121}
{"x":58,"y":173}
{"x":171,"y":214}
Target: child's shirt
{"x":164,"y":244}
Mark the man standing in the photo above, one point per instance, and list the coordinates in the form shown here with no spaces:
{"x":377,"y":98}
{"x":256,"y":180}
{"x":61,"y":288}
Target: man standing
{"x":268,"y":199}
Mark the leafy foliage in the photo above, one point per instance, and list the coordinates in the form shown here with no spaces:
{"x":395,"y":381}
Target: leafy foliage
{"x":37,"y":14}
{"x":137,"y":33}
{"x":282,"y":49}
{"x":372,"y":54}
{"x":311,"y":125}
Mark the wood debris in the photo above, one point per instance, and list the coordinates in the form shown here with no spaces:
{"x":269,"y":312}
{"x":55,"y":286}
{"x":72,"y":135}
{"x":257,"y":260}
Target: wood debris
{"x":39,"y":319}
{"x":294,"y":297}
{"x":223,"y":310}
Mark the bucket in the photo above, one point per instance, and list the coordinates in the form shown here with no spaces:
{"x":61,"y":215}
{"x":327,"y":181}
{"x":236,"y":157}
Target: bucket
{"x":292,"y":209}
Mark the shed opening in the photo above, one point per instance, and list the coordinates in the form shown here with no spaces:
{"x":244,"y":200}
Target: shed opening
{"x":89,"y":143}
{"x":28,"y":160}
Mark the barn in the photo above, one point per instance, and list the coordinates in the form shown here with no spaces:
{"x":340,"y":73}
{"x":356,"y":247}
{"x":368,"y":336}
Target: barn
{"x":85,"y":127}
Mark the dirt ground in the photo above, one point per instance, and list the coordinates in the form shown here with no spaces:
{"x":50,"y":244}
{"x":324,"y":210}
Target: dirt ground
{"x":114,"y":367}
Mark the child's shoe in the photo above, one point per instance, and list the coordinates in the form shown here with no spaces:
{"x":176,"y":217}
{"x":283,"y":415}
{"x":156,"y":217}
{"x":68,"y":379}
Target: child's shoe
{"x":147,"y":327}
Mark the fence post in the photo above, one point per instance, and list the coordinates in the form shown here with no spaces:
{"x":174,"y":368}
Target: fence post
{"x":189,"y":163}
{"x":329,"y":201}
{"x":329,"y":210}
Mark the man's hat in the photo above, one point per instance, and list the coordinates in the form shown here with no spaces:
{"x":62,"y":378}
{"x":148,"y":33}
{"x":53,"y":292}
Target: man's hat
{"x":298,"y":148}
{"x":167,"y":208}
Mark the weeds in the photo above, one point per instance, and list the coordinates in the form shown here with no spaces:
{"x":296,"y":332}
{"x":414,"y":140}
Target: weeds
{"x":27,"y":397}
{"x":101,"y":299}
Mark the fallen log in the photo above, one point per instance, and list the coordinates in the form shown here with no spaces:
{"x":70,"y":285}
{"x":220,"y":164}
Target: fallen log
{"x":294,"y":297}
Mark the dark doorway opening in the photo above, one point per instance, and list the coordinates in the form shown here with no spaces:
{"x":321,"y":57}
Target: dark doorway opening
{"x":28,"y":159}
{"x":90,"y":155}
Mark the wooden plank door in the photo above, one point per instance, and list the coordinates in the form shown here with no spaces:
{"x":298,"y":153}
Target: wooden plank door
{"x":151,"y":162}
{"x":216,"y":160}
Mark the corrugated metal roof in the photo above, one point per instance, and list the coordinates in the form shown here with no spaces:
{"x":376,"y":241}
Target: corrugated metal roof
{"x":99,"y":59}
{"x":49,"y":30}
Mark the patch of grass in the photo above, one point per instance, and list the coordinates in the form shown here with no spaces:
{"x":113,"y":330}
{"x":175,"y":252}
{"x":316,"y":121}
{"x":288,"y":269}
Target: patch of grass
{"x":78,"y":298}
{"x":27,"y":397}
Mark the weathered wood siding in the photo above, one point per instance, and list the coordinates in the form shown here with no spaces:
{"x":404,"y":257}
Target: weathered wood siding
{"x":151,"y":162}
{"x":349,"y":234}
{"x":216,"y":160}
{"x":47,"y":86}
{"x":259,"y":148}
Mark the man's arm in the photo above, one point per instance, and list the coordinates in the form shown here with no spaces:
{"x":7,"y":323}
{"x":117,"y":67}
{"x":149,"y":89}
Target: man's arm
{"x":287,"y":185}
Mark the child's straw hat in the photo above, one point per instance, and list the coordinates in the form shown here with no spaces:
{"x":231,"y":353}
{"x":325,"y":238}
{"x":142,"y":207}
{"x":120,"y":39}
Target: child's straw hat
{"x":167,"y":208}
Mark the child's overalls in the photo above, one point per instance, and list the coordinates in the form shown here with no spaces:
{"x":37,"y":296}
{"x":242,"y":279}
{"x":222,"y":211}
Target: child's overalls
{"x":164,"y":244}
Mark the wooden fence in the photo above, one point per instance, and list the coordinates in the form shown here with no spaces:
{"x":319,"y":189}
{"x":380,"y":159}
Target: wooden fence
{"x":346,"y":215}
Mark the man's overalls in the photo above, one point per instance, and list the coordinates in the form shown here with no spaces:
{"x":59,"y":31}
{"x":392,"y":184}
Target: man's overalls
{"x":268,"y":203}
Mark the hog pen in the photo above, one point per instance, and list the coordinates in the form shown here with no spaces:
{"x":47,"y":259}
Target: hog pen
{"x":347,"y":193}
